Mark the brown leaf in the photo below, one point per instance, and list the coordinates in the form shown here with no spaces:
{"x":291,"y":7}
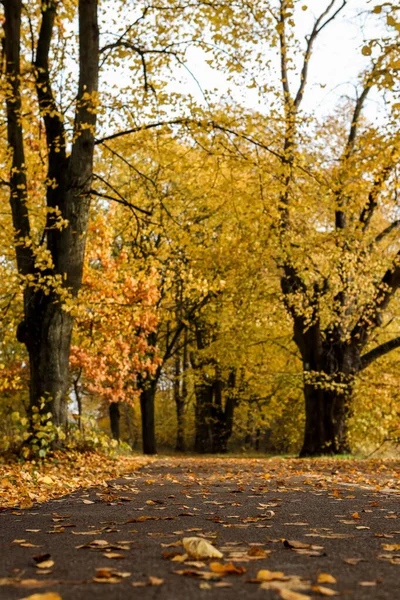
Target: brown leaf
{"x":227,"y":568}
{"x":257,"y":552}
{"x":155,"y":580}
{"x":324,"y":591}
{"x":353,"y":561}
{"x":297,"y":545}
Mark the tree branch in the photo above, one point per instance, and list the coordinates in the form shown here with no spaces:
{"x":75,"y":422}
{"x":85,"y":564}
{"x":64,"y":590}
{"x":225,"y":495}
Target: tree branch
{"x":18,"y":179}
{"x":318,"y":27}
{"x":387,"y":231}
{"x":120,"y":200}
{"x":378,"y":185}
{"x":283,"y":54}
{"x":371,"y":315}
{"x":55,"y":134}
{"x":378,"y":352}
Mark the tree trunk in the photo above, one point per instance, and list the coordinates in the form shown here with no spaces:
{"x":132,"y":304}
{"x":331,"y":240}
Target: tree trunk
{"x":114,"y":413}
{"x":128,"y":420}
{"x":326,"y":422}
{"x":214,"y":422}
{"x":203,"y":435}
{"x":147,"y":406}
{"x":329,"y":368}
{"x":180,"y":406}
{"x":46,"y":332}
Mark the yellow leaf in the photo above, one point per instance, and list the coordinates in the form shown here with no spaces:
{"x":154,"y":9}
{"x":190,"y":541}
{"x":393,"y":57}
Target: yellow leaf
{"x":45,"y":596}
{"x":265,"y":575}
{"x":45,"y":564}
{"x":324,"y":591}
{"x":326,"y":578}
{"x":290,"y":595}
{"x":46,"y":479}
{"x":199,"y":548}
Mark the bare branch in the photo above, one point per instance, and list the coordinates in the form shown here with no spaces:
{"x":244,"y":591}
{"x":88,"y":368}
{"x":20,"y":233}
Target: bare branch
{"x":283,"y":53}
{"x":120,"y":200}
{"x":318,"y":27}
{"x":55,"y":134}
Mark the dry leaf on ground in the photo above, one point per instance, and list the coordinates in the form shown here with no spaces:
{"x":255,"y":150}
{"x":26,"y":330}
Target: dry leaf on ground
{"x":326,"y":578}
{"x":45,"y":596}
{"x":199,"y":548}
{"x":227,"y":568}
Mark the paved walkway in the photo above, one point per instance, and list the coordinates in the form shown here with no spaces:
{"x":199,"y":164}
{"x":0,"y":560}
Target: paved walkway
{"x":124,"y":541}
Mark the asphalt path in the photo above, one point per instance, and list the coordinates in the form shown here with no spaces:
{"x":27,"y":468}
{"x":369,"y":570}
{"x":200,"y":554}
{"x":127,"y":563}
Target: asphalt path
{"x":124,"y":541}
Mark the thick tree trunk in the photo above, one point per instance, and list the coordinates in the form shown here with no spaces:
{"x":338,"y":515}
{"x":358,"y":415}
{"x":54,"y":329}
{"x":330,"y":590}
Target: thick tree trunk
{"x":114,"y":413}
{"x":326,"y":422}
{"x":46,"y":332}
{"x":329,"y":367}
{"x":147,"y":406}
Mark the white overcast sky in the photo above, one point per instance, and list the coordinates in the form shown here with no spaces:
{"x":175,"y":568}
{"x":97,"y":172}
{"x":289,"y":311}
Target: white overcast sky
{"x":336,"y":61}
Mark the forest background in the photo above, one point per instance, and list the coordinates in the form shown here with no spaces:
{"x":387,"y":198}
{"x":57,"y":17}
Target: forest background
{"x":198,"y":268}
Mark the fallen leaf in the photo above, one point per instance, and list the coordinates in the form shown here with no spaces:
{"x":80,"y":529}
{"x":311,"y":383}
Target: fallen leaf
{"x":205,"y":586}
{"x":155,"y":580}
{"x":46,"y":479}
{"x":293,"y":544}
{"x":324,"y":591}
{"x":353,"y":561}
{"x":45,"y":596}
{"x":199,"y":548}
{"x":257,"y":552}
{"x":290,"y":595}
{"x":391,"y":547}
{"x":326,"y":578}
{"x":46,"y":564}
{"x":227,"y":568}
{"x":265,"y":575}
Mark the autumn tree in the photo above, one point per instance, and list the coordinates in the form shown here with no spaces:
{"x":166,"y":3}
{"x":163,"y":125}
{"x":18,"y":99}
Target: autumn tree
{"x":53,"y":59}
{"x":46,"y":328}
{"x":332,"y":196}
{"x":114,"y":318}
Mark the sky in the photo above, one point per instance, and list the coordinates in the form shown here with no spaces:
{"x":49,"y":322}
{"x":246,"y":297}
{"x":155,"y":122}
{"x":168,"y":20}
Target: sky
{"x":336,"y":61}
